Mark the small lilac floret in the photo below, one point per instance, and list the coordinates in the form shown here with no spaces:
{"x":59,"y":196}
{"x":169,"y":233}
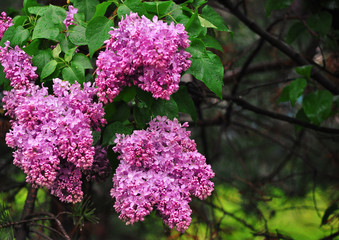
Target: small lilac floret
{"x":148,"y":54}
{"x":17,"y":66}
{"x":69,"y":20}
{"x":52,"y":135}
{"x":5,"y":23}
{"x":160,"y":168}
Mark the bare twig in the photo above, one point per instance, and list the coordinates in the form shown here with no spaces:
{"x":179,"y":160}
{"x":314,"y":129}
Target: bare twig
{"x":21,"y":231}
{"x":246,"y":105}
{"x":316,"y":75}
{"x":330,"y":237}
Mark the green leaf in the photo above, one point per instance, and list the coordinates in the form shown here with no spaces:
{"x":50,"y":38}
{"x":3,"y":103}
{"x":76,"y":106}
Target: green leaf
{"x":197,"y":48}
{"x":112,"y":129}
{"x":320,"y":22}
{"x":294,"y":32}
{"x":117,"y":111}
{"x":19,"y":20}
{"x":97,"y":32}
{"x":122,"y":110}
{"x":284,"y":95}
{"x":296,"y":89}
{"x":206,"y":67}
{"x":101,"y":9}
{"x":205,"y":23}
{"x":276,"y":5}
{"x":211,"y":42}
{"x":37,"y":10}
{"x":127,"y":94}
{"x":48,"y":69}
{"x":165,"y":108}
{"x":41,"y":59}
{"x":69,"y":54}
{"x":96,"y":135}
{"x":304,"y":71}
{"x":45,"y":29}
{"x":132,"y":6}
{"x":33,"y":47}
{"x":56,"y":51}
{"x":174,"y":11}
{"x":65,"y":43}
{"x":16,"y":35}
{"x":20,"y":36}
{"x":142,"y":116}
{"x":88,"y":7}
{"x":317,"y":105}
{"x":56,"y":15}
{"x":74,"y":73}
{"x":81,"y":59}
{"x":145,"y":97}
{"x":9,"y":33}
{"x":328,"y":212}
{"x":185,"y":102}
{"x":158,"y":8}
{"x":4,"y":82}
{"x":209,"y":14}
{"x":77,"y":35}
{"x":27,"y":4}
{"x":194,"y":27}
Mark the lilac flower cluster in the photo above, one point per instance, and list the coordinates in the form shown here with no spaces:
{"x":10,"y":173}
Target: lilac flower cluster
{"x":69,"y":20}
{"x":160,"y":168}
{"x":5,"y":23}
{"x":148,"y":54}
{"x":52,"y":134}
{"x":17,"y":66}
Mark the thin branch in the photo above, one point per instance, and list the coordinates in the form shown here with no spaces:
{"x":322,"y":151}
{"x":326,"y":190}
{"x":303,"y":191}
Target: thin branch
{"x":316,"y":75}
{"x":53,"y":217}
{"x":330,"y":237}
{"x":272,"y":236}
{"x":40,"y":234}
{"x":21,"y":231}
{"x":242,"y":221}
{"x":49,"y":228}
{"x":275,"y":172}
{"x":246,"y":105}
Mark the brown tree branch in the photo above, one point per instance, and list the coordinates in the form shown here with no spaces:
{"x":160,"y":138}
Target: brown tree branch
{"x":259,"y":67}
{"x":290,"y":52}
{"x":246,"y":105}
{"x":21,"y":231}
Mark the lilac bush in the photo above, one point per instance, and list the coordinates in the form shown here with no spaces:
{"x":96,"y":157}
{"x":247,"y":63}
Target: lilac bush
{"x":52,"y":134}
{"x":53,"y":120}
{"x":5,"y":23}
{"x":17,"y":66}
{"x":160,"y":168}
{"x":148,"y":54}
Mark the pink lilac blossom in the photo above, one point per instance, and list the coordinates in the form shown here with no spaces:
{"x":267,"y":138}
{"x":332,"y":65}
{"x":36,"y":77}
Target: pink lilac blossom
{"x":17,"y":66}
{"x":148,"y":54}
{"x":52,"y":136}
{"x":69,"y":20}
{"x":5,"y":23}
{"x":160,"y":168}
